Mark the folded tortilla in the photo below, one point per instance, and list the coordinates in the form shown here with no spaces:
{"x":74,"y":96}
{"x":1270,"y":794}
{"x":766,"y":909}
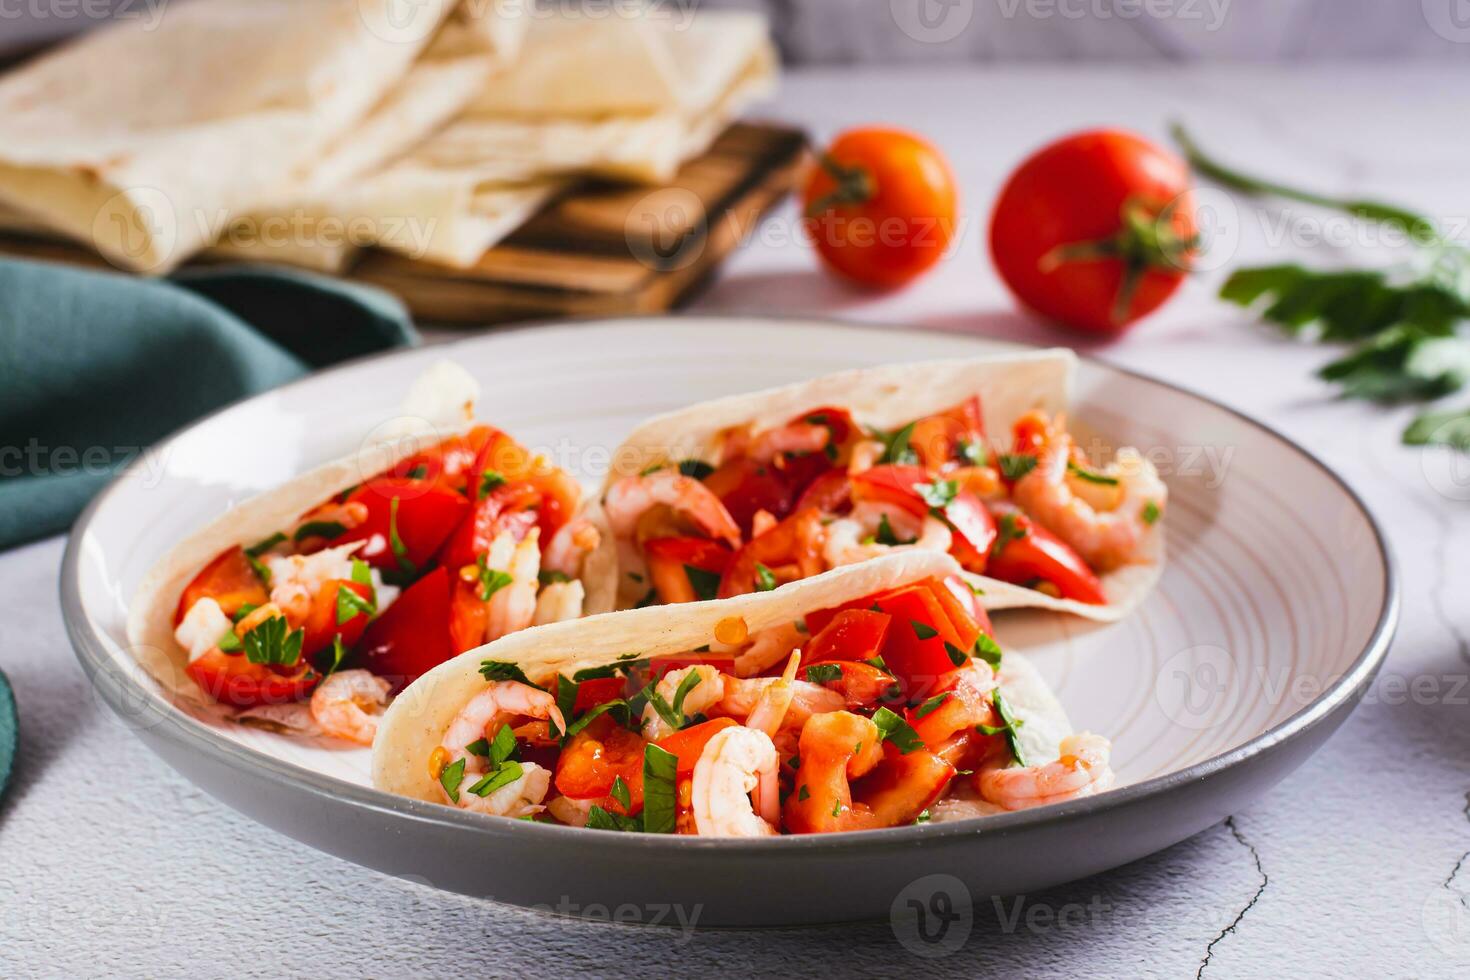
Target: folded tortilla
{"x":887,"y":397}
{"x":415,"y":723}
{"x":436,"y":409}
{"x":144,"y":140}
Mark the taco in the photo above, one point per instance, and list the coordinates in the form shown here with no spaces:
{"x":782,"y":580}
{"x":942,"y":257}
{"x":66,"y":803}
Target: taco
{"x":969,"y":457}
{"x":864,"y":697}
{"x":437,"y":536}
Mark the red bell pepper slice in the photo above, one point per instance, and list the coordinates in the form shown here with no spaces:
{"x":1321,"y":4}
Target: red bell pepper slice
{"x":667,"y":560}
{"x":852,"y":634}
{"x":413,"y":635}
{"x":425,"y":515}
{"x":1029,"y":553}
{"x":232,"y":679}
{"x":229,"y":580}
{"x":974,"y":531}
{"x":688,"y":743}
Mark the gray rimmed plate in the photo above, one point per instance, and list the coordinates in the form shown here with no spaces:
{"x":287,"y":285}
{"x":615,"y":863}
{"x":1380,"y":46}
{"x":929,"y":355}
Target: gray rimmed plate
{"x":1274,"y":611}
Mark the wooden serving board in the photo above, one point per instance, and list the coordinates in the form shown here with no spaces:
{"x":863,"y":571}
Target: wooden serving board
{"x":599,"y":250}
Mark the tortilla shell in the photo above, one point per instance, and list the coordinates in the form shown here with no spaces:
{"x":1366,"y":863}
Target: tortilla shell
{"x":1008,"y":386}
{"x":150,"y":618}
{"x":416,"y":721}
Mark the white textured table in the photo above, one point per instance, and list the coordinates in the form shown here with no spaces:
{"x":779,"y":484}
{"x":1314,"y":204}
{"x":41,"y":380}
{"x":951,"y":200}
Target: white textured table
{"x":109,"y":862}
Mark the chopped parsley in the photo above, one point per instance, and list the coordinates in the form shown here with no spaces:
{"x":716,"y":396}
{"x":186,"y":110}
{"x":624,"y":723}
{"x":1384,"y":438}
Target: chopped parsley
{"x":923,"y":630}
{"x":339,"y":654}
{"x":1013,"y":466}
{"x":502,"y":776}
{"x":492,"y":580}
{"x":706,"y":584}
{"x":824,"y":673}
{"x":1150,"y":513}
{"x":273,"y":643}
{"x":620,"y":793}
{"x":479,"y":747}
{"x":261,"y":547}
{"x":660,"y":795}
{"x":1091,"y":476}
{"x":504,"y":670}
{"x":229,"y":643}
{"x":894,"y":729}
{"x":696,"y":468}
{"x":896,"y":448}
{"x":885,"y":533}
{"x":803,"y":794}
{"x":988,"y":650}
{"x":931,"y":705}
{"x":320,"y":529}
{"x":939,"y":493}
{"x":351,"y":605}
{"x":1010,"y":725}
{"x":765,"y":579}
{"x":502,"y":746}
{"x":396,"y":543}
{"x":451,"y":777}
{"x":1007,"y":529}
{"x":972,"y":452}
{"x":877,"y":662}
{"x":600,"y":819}
{"x":957,"y":656}
{"x":361,"y":573}
{"x":549,"y":576}
{"x":489,"y":480}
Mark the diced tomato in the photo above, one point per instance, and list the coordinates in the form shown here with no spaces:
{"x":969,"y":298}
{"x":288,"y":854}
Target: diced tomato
{"x":426,"y":515}
{"x":828,"y":493}
{"x":413,"y":635}
{"x":745,"y":486}
{"x":659,"y":666}
{"x":863,"y":685}
{"x":232,"y":679}
{"x":688,"y":743}
{"x":597,"y":690}
{"x":964,"y":597}
{"x":902,"y":786}
{"x":321,"y":621}
{"x":918,"y":661}
{"x":974,"y":530}
{"x":791,"y":550}
{"x":451,"y":463}
{"x":892,"y":484}
{"x":511,"y":507}
{"x":596,"y":756}
{"x":667,"y":558}
{"x":852,"y":634}
{"x":469,"y":615}
{"x":1035,"y":554}
{"x":229,"y":580}
{"x":837,"y":420}
{"x":966,"y":627}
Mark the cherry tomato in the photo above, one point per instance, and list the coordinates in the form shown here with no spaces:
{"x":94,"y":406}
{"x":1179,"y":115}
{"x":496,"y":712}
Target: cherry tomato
{"x":597,"y":755}
{"x":972,"y":524}
{"x":1030,"y":553}
{"x":892,"y":484}
{"x":851,"y":634}
{"x":229,"y":580}
{"x":669,"y":561}
{"x":232,"y":679}
{"x":1096,"y":230}
{"x":688,"y":743}
{"x":424,"y":516}
{"x":321,"y":621}
{"x":412,"y":636}
{"x":881,"y":208}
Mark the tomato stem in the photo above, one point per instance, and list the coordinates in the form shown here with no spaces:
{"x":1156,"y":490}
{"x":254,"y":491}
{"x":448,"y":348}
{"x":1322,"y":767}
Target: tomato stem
{"x":855,"y":185}
{"x":1145,"y":240}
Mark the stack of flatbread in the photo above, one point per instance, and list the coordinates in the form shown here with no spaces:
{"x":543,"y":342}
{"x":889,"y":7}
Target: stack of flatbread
{"x":299,"y":131}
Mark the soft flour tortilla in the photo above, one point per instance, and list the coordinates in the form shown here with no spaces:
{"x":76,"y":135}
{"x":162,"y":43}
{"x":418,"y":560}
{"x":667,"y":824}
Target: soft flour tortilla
{"x":417,"y":720}
{"x":434,"y":411}
{"x":144,"y":142}
{"x":1008,"y":385}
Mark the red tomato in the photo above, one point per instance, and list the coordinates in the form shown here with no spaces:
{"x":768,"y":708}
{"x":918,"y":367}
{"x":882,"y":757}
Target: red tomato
{"x":597,"y":690}
{"x":914,"y":649}
{"x":228,"y":580}
{"x":792,"y":546}
{"x":974,"y":530}
{"x":451,"y":463}
{"x":232,"y":679}
{"x":560,"y":494}
{"x":1034,"y":553}
{"x":689,"y":743}
{"x":965,"y":598}
{"x":892,"y":484}
{"x":426,"y":514}
{"x":511,"y":507}
{"x":881,"y":208}
{"x":413,"y":635}
{"x":973,"y":526}
{"x":321,"y":621}
{"x":745,"y":486}
{"x":828,"y":493}
{"x":469,"y":615}
{"x":852,"y":634}
{"x":667,"y":558}
{"x":597,"y":755}
{"x":1095,"y":231}
{"x":863,"y":685}
{"x":902,"y":786}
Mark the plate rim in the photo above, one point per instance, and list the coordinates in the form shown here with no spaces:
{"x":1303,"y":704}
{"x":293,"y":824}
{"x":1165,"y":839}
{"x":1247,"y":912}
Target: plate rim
{"x":189,"y":733}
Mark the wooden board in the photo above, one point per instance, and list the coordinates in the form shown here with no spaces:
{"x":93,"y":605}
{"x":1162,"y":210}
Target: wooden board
{"x":600,"y":250}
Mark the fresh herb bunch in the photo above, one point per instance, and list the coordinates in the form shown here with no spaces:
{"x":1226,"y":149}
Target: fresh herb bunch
{"x":1404,"y":326}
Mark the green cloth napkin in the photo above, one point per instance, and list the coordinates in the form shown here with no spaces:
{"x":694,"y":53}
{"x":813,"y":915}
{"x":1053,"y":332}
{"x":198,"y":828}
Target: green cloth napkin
{"x":96,"y":366}
{"x":9,"y":732}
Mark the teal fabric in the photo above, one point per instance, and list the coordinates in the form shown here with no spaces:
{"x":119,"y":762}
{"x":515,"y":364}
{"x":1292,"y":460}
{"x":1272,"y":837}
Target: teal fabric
{"x":9,"y":732}
{"x":96,"y":366}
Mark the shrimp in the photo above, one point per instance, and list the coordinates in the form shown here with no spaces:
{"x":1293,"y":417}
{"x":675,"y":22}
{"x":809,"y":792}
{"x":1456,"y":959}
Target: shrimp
{"x":570,"y":546}
{"x":735,"y":762}
{"x":296,"y":579}
{"x":488,"y":710}
{"x":1107,"y":522}
{"x":800,"y":437}
{"x":771,"y":707}
{"x":558,"y":602}
{"x":340,"y":705}
{"x":1081,"y":771}
{"x":865,"y":456}
{"x":853,"y":538}
{"x":513,"y":606}
{"x":571,"y":812}
{"x":767,"y":647}
{"x":519,"y":798}
{"x":835,"y":748}
{"x":632,"y":497}
{"x":743,"y":695}
{"x":705,"y":694}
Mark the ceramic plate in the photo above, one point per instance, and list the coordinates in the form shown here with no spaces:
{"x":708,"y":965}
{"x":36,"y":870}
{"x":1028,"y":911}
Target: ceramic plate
{"x":1274,"y":611}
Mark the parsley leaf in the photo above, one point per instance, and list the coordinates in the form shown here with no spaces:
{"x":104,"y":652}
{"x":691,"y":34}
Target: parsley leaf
{"x":972,"y":452}
{"x":272,"y":643}
{"x":450,"y":779}
{"x":696,"y":468}
{"x":620,"y":793}
{"x":261,"y":547}
{"x":492,"y":580}
{"x":1008,"y":528}
{"x":957,"y":656}
{"x":824,"y":673}
{"x":885,"y":533}
{"x":923,"y":630}
{"x":894,"y":729}
{"x":1150,"y":513}
{"x":600,"y":819}
{"x":503,"y":775}
{"x":988,"y":650}
{"x":660,"y":796}
{"x":1091,"y":476}
{"x":896,"y":448}
{"x":1013,"y":466}
{"x":396,"y":543}
{"x":489,"y":480}
{"x":706,"y":584}
{"x":320,"y":529}
{"x":1009,"y":726}
{"x":765,"y":579}
{"x":931,"y":705}
{"x":939,"y":493}
{"x":504,"y":670}
{"x":549,"y":576}
{"x":361,"y":573}
{"x":339,"y":654}
{"x":350,"y":605}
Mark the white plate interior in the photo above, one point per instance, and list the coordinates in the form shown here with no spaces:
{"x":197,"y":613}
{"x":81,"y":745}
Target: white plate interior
{"x":1273,"y":586}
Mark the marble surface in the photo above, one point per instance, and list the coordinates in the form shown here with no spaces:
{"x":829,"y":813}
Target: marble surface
{"x":109,"y":862}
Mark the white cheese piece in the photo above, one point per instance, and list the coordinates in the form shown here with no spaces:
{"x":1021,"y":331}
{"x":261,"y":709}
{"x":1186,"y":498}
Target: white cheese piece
{"x":201,"y":628}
